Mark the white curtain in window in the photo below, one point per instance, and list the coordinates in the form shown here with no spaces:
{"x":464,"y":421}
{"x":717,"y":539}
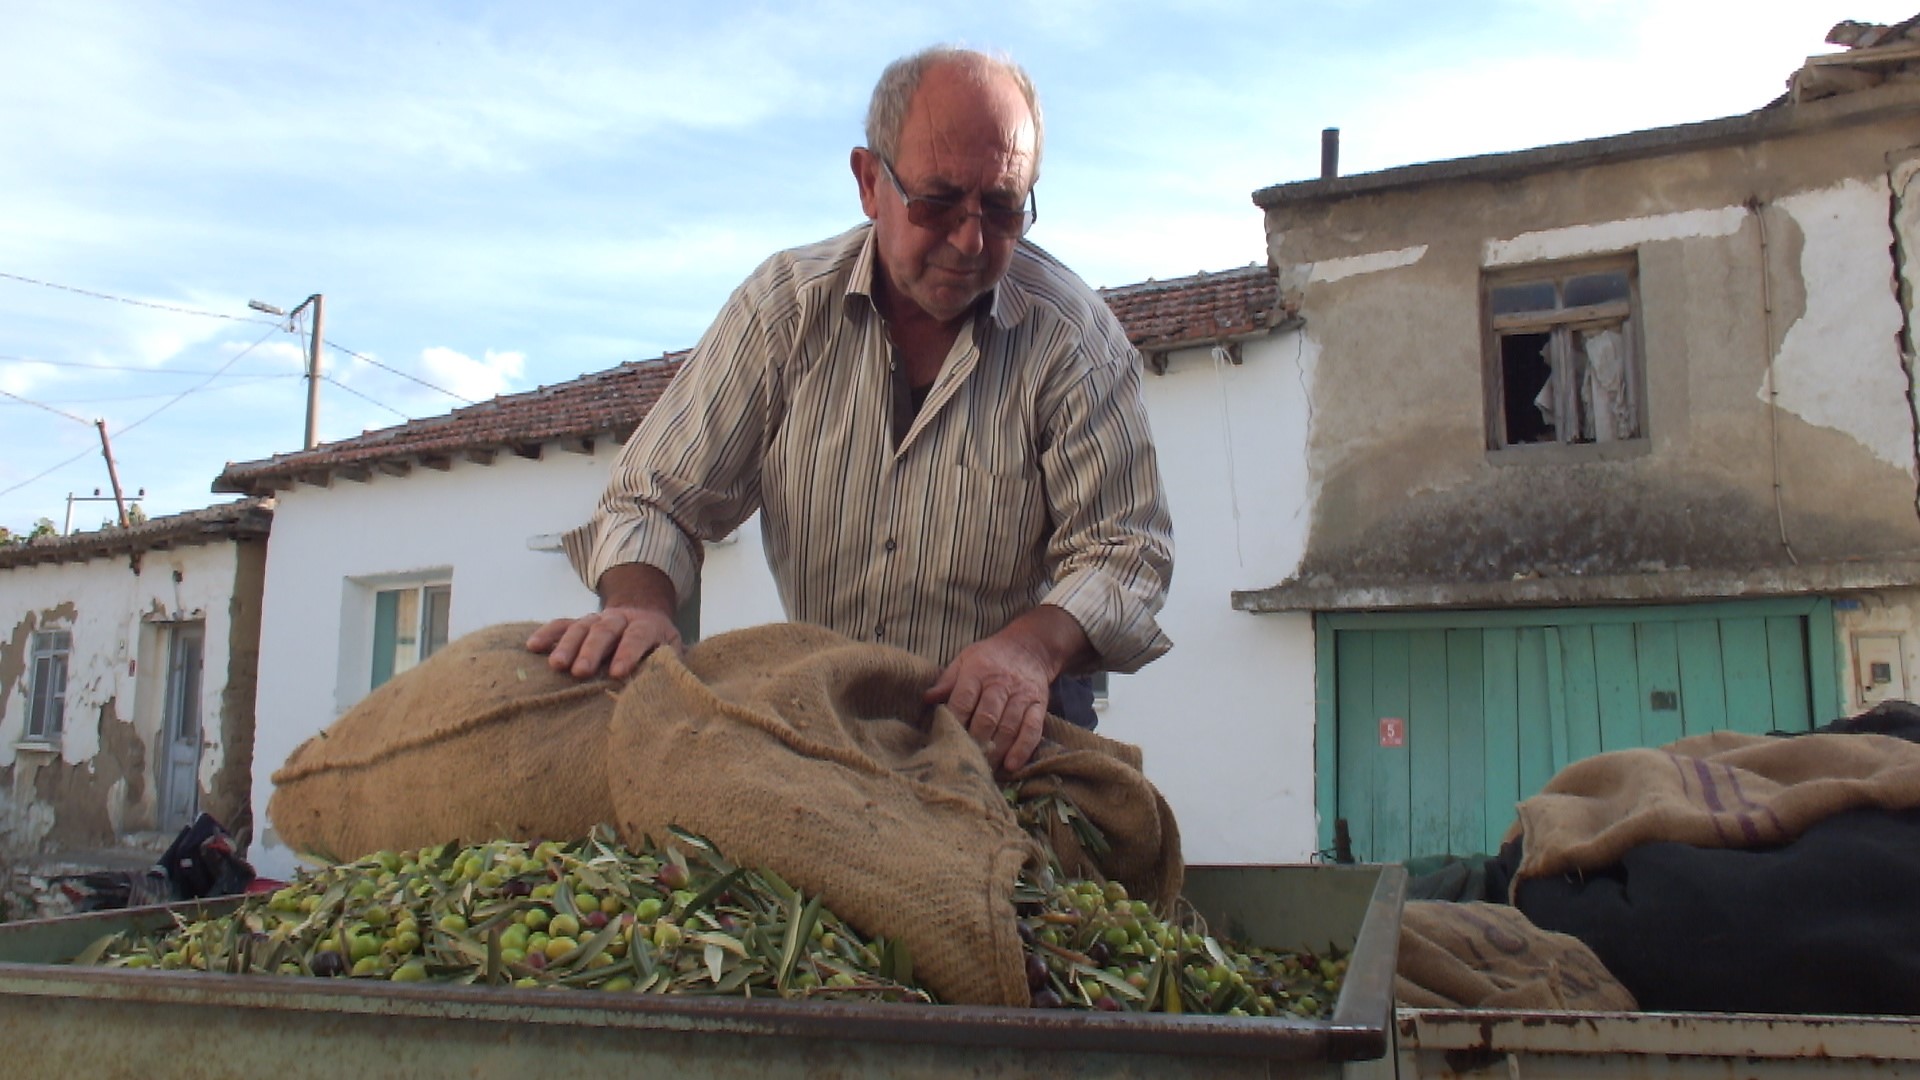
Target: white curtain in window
{"x":1607,"y":403}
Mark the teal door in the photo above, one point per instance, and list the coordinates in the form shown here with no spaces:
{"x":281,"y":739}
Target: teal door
{"x":1434,"y":725}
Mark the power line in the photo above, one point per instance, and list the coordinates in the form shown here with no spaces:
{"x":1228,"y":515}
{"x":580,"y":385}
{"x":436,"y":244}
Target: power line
{"x":136,"y":303}
{"x":138,"y":369}
{"x":248,"y":380}
{"x":397,"y":371}
{"x":202,"y":384}
{"x":170,"y":403}
{"x":49,"y":408}
{"x":363,"y":397}
{"x":89,"y":452}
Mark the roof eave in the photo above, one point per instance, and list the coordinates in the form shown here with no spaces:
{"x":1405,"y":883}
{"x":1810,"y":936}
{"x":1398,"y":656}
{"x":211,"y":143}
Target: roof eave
{"x":1862,"y":106}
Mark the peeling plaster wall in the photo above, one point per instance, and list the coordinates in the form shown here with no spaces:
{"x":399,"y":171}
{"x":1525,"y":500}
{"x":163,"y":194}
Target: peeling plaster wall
{"x":1851,"y":310}
{"x":1405,"y":488}
{"x":99,"y":784}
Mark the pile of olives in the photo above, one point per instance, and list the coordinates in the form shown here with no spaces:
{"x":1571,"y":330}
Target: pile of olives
{"x":1090,"y":946}
{"x":677,"y":918}
{"x":680,"y":918}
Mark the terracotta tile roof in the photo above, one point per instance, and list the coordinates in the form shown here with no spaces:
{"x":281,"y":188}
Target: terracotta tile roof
{"x":1875,"y":54}
{"x":1158,"y":316}
{"x":240,"y":519}
{"x":602,"y":404}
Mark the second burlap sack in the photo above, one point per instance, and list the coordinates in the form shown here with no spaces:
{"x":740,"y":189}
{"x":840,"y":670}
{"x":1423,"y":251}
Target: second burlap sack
{"x":1103,"y":781}
{"x":793,"y":748}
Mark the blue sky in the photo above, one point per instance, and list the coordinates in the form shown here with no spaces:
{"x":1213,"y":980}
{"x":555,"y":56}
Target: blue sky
{"x":494,"y":197}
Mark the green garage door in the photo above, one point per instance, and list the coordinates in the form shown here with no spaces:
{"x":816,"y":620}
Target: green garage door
{"x":1433,"y":725}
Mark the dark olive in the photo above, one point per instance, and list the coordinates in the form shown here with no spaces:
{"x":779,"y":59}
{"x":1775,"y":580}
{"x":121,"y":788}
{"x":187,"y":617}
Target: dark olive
{"x":1036,"y":972}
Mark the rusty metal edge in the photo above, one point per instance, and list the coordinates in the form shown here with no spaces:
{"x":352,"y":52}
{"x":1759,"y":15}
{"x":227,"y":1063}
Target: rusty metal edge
{"x":947,"y":1025}
{"x":1749,"y":1036}
{"x":1363,"y":1015}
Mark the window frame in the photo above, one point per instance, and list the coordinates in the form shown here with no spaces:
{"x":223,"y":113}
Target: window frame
{"x":1558,"y":324}
{"x":424,"y":641}
{"x":46,"y":712}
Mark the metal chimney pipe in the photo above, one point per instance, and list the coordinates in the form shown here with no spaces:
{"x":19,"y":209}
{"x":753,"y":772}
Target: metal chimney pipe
{"x":1329,"y":153}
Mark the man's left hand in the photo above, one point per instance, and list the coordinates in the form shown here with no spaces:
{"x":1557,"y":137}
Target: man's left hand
{"x":998,"y":689}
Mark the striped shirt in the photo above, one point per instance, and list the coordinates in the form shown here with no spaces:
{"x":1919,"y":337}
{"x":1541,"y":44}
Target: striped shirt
{"x":1027,"y":477}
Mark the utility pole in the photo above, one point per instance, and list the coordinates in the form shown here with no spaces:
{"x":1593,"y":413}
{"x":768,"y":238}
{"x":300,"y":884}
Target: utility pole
{"x":113,"y":474}
{"x":313,"y":358}
{"x":313,"y":374}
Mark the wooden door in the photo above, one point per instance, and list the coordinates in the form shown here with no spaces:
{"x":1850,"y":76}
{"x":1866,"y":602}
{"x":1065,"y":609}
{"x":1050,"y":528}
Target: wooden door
{"x":180,"y":728}
{"x":1434,"y":725}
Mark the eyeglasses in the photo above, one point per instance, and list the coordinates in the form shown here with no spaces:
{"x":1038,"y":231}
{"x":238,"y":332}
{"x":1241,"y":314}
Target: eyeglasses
{"x":945,"y":215}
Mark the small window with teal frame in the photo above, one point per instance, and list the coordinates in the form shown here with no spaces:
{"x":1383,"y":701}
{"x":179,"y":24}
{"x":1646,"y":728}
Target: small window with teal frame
{"x":409,"y":625}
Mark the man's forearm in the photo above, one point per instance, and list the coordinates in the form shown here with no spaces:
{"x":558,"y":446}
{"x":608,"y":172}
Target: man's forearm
{"x":637,"y":585}
{"x":1057,"y":636}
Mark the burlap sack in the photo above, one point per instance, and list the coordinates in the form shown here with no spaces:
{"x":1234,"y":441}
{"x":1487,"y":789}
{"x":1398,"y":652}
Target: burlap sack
{"x":480,"y":742}
{"x":1488,"y":956}
{"x":791,"y":747}
{"x":796,"y":749}
{"x":1720,"y":790}
{"x":1103,"y":779}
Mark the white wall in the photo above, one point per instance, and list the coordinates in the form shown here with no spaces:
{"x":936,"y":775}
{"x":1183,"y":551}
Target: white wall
{"x":117,"y":659}
{"x":736,"y":588}
{"x":1226,"y":718}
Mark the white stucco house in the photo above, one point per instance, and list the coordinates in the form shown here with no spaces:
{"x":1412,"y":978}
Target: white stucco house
{"x":127,"y":661}
{"x":388,"y":544}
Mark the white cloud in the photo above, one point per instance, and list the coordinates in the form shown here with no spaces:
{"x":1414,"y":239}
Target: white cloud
{"x":22,"y":376}
{"x":475,"y":380}
{"x":283,"y":354}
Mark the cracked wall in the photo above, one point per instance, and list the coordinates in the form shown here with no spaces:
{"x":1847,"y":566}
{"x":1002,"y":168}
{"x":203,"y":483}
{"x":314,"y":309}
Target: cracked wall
{"x":98,"y":784}
{"x":1759,"y":266}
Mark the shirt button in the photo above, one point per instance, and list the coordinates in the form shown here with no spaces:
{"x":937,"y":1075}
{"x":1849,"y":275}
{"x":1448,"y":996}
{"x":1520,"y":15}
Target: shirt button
{"x":879,"y":632}
{"x":891,"y":545}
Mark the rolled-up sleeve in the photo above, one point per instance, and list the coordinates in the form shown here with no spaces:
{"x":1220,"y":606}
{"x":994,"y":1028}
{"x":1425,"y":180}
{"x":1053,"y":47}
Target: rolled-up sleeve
{"x":1111,"y":553}
{"x":691,"y":470}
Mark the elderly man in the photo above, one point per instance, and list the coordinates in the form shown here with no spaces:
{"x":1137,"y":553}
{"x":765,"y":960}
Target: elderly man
{"x":940,"y":425}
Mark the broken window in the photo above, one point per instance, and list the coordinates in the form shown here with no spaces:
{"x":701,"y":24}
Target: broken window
{"x":1563,"y":356}
{"x":47,"y":686}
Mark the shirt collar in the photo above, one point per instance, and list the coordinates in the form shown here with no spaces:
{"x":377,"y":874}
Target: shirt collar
{"x":1007,"y":302}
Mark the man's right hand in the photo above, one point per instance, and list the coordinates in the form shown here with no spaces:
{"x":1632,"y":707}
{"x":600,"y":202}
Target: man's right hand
{"x":610,"y":642}
{"x":635,"y":619}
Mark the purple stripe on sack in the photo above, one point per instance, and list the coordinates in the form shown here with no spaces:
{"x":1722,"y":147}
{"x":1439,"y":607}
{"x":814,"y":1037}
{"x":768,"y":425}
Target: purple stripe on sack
{"x":1747,"y":823}
{"x":1709,"y":793}
{"x":1733,"y":781}
{"x":1679,"y":766}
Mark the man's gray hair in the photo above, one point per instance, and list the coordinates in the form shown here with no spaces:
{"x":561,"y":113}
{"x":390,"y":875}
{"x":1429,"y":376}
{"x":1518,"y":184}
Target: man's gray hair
{"x":887,"y":113}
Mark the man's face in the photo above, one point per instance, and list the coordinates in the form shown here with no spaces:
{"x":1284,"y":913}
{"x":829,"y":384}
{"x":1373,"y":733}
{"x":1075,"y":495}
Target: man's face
{"x":961,"y":141}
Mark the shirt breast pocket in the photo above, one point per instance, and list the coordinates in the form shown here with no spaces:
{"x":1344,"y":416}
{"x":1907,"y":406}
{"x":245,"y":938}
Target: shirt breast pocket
{"x":998,"y":525}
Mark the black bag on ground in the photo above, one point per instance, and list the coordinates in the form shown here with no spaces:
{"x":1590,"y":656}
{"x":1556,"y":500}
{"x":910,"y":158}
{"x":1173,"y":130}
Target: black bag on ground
{"x":201,"y":862}
{"x":1824,"y":924}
